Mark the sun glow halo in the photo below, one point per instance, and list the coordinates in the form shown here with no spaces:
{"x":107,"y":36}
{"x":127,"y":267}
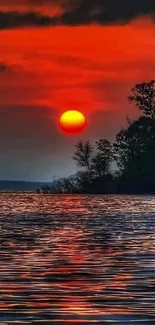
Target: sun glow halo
{"x":72,"y":122}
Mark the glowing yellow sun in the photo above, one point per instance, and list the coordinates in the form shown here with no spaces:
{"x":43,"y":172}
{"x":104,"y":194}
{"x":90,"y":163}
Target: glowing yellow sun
{"x":72,"y":122}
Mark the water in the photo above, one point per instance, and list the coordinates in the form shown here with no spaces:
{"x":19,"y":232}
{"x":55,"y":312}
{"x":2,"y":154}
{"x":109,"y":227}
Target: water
{"x":77,"y":259}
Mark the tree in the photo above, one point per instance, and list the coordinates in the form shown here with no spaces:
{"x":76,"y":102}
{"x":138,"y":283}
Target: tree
{"x":103,"y":158}
{"x":143,"y":95}
{"x":135,"y":145}
{"x":135,"y":154}
{"x":83,"y":155}
{"x":84,"y":182}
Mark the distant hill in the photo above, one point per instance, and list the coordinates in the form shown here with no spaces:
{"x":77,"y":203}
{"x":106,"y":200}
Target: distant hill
{"x":20,"y":185}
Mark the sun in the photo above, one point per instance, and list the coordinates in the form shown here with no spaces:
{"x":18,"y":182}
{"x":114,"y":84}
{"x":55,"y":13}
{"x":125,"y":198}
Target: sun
{"x":72,"y":122}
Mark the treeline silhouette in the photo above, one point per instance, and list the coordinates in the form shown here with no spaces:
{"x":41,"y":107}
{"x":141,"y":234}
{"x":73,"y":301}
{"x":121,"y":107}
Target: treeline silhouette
{"x":133,"y":152}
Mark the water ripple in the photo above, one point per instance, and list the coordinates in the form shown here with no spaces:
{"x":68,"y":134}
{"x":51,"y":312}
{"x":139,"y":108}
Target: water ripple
{"x":77,"y":259}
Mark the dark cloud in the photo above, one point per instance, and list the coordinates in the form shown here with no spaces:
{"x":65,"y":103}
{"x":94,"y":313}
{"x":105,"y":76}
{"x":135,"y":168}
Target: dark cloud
{"x":16,"y":19}
{"x":107,"y":11}
{"x":80,"y":12}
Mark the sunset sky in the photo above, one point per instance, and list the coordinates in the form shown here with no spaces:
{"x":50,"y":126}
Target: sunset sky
{"x":67,"y":54}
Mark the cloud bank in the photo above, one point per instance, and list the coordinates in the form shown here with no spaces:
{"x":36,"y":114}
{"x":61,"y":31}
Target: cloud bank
{"x":74,"y":12}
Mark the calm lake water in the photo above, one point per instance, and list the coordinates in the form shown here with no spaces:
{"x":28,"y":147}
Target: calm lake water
{"x":77,"y":259}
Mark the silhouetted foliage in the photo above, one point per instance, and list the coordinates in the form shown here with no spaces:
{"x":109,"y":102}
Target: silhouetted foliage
{"x":103,"y":158}
{"x":135,"y":154}
{"x":83,"y":154}
{"x":83,"y":157}
{"x":143,"y":95}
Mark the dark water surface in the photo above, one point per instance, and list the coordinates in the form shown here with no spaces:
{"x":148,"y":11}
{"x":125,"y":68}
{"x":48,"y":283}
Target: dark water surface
{"x":77,"y":259}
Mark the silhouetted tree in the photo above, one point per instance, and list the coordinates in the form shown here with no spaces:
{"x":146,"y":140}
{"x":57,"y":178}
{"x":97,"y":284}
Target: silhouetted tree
{"x":135,"y":145}
{"x":103,"y":158}
{"x":84,"y":183}
{"x":143,"y":95}
{"x":83,"y":156}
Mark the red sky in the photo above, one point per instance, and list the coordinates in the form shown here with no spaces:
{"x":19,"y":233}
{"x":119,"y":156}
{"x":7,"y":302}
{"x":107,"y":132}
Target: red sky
{"x":51,"y":69}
